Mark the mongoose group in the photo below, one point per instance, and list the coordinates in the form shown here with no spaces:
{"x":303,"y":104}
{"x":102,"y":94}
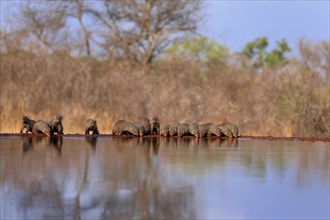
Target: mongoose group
{"x":141,"y":127}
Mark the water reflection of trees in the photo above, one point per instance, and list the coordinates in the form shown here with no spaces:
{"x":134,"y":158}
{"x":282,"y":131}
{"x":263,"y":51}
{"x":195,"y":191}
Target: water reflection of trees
{"x":92,"y":142}
{"x":30,"y":142}
{"x":138,"y":189}
{"x":120,"y":180}
{"x":124,"y":177}
{"x":193,"y":143}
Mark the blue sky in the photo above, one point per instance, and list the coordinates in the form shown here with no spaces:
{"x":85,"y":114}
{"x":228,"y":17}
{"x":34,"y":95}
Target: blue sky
{"x":234,"y":23}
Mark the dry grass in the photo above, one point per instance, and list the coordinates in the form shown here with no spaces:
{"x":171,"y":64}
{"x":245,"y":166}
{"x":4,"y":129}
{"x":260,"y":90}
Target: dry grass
{"x":290,"y":101}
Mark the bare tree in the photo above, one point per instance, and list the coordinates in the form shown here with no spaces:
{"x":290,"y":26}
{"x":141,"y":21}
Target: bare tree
{"x":45,"y":21}
{"x":140,"y":30}
{"x":75,"y":9}
{"x":315,"y":56}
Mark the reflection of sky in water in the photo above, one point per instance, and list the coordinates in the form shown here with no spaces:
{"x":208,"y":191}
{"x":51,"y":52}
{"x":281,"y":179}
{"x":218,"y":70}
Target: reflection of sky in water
{"x":240,"y":196}
{"x":236,"y":192}
{"x":257,"y":179}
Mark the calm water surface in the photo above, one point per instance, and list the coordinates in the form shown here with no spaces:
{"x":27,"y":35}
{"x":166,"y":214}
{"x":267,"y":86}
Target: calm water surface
{"x":158,"y":178}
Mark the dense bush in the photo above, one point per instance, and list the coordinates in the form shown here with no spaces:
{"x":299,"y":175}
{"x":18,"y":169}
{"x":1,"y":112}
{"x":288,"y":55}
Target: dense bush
{"x":290,"y":100}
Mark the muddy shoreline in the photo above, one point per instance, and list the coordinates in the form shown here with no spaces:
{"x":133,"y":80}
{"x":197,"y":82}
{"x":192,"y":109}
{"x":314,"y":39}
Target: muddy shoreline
{"x":268,"y":138}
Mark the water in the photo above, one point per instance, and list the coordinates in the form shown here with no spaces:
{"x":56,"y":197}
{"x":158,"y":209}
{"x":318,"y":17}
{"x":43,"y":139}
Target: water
{"x":162,"y":178}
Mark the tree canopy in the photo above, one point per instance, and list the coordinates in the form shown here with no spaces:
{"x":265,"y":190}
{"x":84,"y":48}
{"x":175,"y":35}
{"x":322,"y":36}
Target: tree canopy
{"x":257,"y":54}
{"x":136,"y":30}
{"x":198,"y":48}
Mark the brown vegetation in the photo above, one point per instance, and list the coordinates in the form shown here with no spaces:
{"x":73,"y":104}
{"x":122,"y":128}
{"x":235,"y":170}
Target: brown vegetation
{"x":289,"y":101}
{"x":115,"y":68}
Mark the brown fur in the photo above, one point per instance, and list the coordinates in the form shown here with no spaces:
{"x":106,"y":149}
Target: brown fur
{"x":183,"y":129}
{"x":229,"y":129}
{"x":155,"y":125}
{"x":56,"y":124}
{"x":41,"y":127}
{"x":26,"y":124}
{"x":124,"y":127}
{"x":173,"y":129}
{"x":193,"y":129}
{"x":165,"y":130}
{"x":91,"y":125}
